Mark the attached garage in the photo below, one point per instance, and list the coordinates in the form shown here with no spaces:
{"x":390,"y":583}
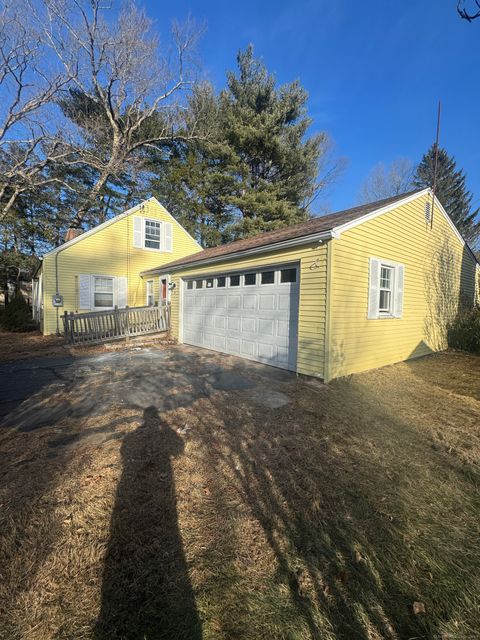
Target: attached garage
{"x":252,"y":314}
{"x":331,"y":296}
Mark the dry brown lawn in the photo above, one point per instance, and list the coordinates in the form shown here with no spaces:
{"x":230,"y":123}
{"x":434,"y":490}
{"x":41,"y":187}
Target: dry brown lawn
{"x":25,"y":345}
{"x":32,"y":344}
{"x":326,"y":518}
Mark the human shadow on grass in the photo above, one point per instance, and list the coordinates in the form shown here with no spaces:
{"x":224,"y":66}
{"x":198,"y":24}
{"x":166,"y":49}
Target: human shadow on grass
{"x":146,"y":591}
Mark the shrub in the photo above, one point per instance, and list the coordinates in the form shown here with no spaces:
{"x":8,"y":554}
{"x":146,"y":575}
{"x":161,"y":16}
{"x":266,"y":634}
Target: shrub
{"x":464,"y":332}
{"x":17,"y":315}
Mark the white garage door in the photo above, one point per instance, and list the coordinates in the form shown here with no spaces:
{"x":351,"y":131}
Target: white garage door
{"x":252,"y":314}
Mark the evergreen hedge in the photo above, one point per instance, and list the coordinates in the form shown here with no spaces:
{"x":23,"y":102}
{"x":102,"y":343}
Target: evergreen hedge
{"x":464,"y":332}
{"x":17,"y":315}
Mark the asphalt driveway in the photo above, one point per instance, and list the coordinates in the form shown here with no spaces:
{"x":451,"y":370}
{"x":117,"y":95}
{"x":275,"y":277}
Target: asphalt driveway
{"x":45,"y":391}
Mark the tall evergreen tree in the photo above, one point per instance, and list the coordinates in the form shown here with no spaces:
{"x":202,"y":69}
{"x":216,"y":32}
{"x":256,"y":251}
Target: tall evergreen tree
{"x":258,"y":170}
{"x":194,"y":179}
{"x":451,"y":190}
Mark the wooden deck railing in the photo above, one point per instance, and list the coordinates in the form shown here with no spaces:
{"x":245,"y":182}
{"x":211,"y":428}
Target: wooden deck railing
{"x":114,"y":324}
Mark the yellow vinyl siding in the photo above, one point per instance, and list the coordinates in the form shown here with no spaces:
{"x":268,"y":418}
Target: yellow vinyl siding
{"x":311,"y":321}
{"x":110,"y":251}
{"x":439,"y":277}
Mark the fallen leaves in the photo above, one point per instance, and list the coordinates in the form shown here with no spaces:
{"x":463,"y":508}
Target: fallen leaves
{"x":418,"y":607}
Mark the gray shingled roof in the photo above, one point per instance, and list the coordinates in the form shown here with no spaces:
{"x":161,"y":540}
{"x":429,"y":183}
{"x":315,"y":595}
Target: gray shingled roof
{"x":312,"y":226}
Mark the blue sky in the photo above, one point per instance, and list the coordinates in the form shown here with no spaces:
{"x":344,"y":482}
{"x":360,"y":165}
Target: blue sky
{"x":374,"y":70}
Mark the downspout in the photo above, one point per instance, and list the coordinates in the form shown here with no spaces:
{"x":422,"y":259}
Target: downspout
{"x":328,"y":308}
{"x":56,"y":286}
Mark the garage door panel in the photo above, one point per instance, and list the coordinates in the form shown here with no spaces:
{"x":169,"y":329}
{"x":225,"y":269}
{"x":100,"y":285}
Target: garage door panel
{"x":266,"y":302}
{"x":248,"y":325}
{"x":266,"y":351}
{"x":247,"y":348}
{"x":233,"y":324}
{"x":258,"y":322}
{"x":234,"y":302}
{"x":208,"y":339}
{"x":220,"y":342}
{"x":266,"y":327}
{"x":284,"y":302}
{"x":196,"y":322}
{"x":249,"y":302}
{"x":283,"y":328}
{"x":233,"y":345}
{"x":209,"y":322}
{"x":220,"y":322}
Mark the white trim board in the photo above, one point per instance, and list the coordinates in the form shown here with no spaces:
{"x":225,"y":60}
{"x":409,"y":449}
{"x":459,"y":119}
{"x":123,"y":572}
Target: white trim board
{"x":378,"y":212}
{"x":107,"y":223}
{"x":333,"y":233}
{"x":226,"y":257}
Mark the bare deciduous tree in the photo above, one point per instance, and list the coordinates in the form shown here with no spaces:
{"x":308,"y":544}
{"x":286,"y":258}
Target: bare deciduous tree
{"x":386,"y":181}
{"x":465,"y":13}
{"x":28,"y":84}
{"x":126,"y":91}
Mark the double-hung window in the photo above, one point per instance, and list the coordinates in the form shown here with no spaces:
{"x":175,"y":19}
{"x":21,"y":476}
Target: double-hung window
{"x":385,"y":291}
{"x":387,"y":280}
{"x":152,"y":234}
{"x":103,"y":293}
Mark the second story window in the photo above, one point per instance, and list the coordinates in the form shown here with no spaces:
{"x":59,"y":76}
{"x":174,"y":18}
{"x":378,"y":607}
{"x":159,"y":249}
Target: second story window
{"x":152,"y":234}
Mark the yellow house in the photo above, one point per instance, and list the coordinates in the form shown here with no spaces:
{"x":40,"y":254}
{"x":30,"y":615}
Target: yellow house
{"x":100,"y":268}
{"x":339,"y":294}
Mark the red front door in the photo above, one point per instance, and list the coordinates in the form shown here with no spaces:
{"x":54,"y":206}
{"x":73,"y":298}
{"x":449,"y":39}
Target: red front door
{"x":163,"y":290}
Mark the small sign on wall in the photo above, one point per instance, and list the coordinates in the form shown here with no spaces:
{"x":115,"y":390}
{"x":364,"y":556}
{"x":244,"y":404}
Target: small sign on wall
{"x":57,"y":300}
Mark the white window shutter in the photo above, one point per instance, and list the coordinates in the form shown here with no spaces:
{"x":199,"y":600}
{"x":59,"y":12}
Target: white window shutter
{"x":84,"y":291}
{"x":138,"y":232}
{"x":373,"y":289}
{"x":168,"y":244}
{"x":121,"y":292}
{"x":399,"y":277}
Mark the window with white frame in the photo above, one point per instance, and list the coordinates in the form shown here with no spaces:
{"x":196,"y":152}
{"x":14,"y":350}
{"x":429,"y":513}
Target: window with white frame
{"x":152,"y":234}
{"x":385,"y":299}
{"x":385,"y":295}
{"x":102,"y":292}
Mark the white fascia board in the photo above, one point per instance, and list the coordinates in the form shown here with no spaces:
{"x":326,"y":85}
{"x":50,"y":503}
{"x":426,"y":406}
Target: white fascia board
{"x":378,"y":212}
{"x":285,"y":244}
{"x":107,"y":223}
{"x":337,"y":231}
{"x":90,"y":232}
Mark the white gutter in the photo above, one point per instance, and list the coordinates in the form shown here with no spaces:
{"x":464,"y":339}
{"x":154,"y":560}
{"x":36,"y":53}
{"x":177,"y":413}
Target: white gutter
{"x":284,"y":244}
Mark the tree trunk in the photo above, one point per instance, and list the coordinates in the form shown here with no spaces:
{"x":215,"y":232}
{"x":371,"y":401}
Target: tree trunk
{"x":90,"y":200}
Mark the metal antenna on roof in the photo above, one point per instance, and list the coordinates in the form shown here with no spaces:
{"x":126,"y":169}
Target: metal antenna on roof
{"x":435,"y":162}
